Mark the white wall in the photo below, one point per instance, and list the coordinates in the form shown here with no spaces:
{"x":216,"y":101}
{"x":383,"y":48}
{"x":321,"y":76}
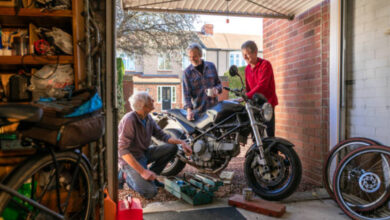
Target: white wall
{"x":368,"y":70}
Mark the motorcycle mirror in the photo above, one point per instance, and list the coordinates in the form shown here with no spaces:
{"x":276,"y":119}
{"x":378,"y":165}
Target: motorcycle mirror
{"x":233,"y":71}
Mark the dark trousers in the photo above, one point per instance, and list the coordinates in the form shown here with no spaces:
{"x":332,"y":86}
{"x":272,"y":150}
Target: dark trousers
{"x":271,"y":125}
{"x":159,"y":156}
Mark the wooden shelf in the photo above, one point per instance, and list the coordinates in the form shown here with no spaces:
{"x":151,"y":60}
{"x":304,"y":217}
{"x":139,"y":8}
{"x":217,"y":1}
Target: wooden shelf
{"x":44,"y":18}
{"x":35,"y":60}
{"x":34,"y":12}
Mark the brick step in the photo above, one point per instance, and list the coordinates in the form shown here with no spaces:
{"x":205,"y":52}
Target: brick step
{"x":258,"y":205}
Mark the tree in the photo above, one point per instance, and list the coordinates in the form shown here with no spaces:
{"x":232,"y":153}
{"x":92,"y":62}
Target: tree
{"x":235,"y":82}
{"x":142,"y":32}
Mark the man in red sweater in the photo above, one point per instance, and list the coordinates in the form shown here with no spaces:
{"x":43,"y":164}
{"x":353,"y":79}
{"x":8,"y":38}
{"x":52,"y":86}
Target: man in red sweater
{"x":259,"y":78}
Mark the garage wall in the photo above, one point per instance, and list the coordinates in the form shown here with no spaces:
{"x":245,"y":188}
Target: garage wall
{"x":368,"y":69}
{"x":299,"y":53}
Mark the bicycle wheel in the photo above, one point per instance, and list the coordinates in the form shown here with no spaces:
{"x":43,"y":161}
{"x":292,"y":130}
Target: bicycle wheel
{"x":361,"y":183}
{"x":36,"y":179}
{"x":336,"y":155}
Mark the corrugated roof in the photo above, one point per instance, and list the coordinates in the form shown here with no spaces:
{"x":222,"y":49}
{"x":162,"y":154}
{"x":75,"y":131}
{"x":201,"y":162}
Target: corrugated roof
{"x":227,"y":41}
{"x":250,"y":8}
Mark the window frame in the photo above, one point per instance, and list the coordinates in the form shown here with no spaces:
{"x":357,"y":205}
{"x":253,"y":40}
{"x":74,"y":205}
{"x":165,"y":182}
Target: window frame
{"x":164,"y":57}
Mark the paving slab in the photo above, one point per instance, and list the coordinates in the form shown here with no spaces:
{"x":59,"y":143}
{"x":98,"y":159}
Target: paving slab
{"x":314,"y":204}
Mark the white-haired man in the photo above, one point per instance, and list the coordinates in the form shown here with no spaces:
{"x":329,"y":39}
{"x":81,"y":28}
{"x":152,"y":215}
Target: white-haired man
{"x":134,"y":137}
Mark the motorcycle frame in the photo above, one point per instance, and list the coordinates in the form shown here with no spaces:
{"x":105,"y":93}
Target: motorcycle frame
{"x":239,"y":123}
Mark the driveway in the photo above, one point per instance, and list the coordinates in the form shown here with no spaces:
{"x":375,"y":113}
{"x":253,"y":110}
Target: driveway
{"x":313,"y":204}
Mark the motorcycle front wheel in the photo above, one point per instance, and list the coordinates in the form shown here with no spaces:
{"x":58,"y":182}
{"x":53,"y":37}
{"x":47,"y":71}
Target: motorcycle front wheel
{"x":283,"y":177}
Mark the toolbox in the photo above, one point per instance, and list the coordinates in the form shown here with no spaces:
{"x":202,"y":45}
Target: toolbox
{"x":195,"y":189}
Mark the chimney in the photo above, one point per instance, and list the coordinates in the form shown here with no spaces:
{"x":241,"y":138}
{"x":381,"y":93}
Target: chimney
{"x":207,"y":29}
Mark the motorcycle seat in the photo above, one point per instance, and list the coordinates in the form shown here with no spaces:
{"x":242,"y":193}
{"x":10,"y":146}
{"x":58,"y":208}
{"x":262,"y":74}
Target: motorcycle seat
{"x":21,"y":112}
{"x":200,"y":123}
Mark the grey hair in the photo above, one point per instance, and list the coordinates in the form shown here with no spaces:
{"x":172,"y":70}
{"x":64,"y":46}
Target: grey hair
{"x":138,"y":100}
{"x":251,"y":45}
{"x":195,"y":46}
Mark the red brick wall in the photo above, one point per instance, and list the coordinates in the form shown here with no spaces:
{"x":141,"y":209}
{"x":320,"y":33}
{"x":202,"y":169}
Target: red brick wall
{"x":127,"y":91}
{"x":298,"y":51}
{"x":225,"y":94}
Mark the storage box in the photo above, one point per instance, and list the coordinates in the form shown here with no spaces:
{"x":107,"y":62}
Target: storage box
{"x":196,"y":191}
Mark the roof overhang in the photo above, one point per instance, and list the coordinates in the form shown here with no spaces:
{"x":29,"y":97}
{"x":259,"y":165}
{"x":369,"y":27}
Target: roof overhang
{"x":284,"y":9}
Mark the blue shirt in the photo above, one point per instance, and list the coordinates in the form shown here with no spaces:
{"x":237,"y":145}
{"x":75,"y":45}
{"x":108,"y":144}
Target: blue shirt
{"x":195,"y":85}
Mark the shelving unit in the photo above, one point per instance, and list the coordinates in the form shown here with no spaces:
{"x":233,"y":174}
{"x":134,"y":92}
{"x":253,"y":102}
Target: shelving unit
{"x":71,"y":21}
{"x":35,"y":60}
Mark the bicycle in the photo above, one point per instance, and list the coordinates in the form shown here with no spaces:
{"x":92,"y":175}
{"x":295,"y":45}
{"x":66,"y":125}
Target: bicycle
{"x":336,"y":155}
{"x":53,"y":183}
{"x":362,"y":183}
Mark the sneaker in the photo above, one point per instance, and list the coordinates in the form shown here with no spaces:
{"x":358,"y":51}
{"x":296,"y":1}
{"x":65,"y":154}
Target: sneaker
{"x":158,"y":184}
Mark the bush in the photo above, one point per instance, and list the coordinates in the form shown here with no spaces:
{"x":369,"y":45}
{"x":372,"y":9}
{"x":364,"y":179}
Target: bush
{"x":120,"y":68}
{"x":234,"y":82}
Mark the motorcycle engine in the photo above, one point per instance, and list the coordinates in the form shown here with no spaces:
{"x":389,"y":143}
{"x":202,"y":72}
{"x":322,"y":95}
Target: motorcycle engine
{"x":210,"y":153}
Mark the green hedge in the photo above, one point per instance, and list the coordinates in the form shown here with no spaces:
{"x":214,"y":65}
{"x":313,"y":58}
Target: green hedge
{"x":120,"y":69}
{"x":234,"y":82}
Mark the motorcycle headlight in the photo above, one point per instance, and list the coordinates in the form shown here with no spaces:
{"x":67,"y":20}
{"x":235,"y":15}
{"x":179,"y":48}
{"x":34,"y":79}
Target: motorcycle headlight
{"x":267,"y":111}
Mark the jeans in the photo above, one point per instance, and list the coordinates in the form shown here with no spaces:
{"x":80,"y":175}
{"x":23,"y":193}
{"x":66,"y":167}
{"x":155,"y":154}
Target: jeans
{"x":159,"y":156}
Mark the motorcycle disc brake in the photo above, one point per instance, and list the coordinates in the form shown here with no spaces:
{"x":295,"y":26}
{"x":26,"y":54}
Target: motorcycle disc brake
{"x":276,"y":173}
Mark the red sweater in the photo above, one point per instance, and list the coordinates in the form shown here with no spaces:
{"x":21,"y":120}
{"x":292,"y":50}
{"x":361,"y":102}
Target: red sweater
{"x":260,"y":79}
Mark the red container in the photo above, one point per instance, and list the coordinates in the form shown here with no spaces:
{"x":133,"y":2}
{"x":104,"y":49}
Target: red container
{"x":130,"y":209}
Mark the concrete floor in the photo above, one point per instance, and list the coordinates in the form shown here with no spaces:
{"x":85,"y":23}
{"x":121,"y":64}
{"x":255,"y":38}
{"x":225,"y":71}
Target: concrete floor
{"x":315,"y":204}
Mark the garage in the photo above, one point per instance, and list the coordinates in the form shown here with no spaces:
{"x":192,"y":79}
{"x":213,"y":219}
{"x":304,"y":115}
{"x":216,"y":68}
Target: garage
{"x":330,"y":60}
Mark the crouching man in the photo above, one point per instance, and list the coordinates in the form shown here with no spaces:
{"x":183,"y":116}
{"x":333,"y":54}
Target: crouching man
{"x":135,"y":131}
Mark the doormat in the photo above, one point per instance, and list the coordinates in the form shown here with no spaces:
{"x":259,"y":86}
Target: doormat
{"x":203,"y":214}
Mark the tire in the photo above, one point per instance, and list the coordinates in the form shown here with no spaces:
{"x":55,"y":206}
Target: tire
{"x":40,"y":170}
{"x":367,"y":190}
{"x":175,"y":166}
{"x":336,"y":154}
{"x":288,"y":176}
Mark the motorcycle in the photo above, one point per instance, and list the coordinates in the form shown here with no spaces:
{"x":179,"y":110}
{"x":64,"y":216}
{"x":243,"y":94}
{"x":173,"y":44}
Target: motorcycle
{"x":272,"y":168}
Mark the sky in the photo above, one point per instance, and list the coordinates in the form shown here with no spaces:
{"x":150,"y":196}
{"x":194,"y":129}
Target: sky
{"x":237,"y":25}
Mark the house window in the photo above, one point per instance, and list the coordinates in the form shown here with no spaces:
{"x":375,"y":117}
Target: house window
{"x":235,"y":58}
{"x":164,"y":62}
{"x":128,"y":61}
{"x":171,"y":93}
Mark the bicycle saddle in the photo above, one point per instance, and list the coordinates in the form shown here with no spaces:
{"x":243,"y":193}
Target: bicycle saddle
{"x":21,"y":112}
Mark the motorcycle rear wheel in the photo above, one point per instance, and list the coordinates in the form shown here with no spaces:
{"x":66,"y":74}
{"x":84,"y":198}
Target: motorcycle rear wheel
{"x":284,"y":176}
{"x":175,"y":166}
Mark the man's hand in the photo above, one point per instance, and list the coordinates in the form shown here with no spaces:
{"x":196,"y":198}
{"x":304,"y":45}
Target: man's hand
{"x":215,"y":90}
{"x":187,"y":149}
{"x":190,"y":115}
{"x":148,"y":174}
{"x":238,"y":100}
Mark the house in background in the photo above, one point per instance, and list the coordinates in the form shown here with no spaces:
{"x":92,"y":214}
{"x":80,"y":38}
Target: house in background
{"x":160,"y":74}
{"x":224,"y":49}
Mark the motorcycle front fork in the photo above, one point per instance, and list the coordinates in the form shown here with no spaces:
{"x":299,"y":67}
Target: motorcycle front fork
{"x":260,"y":159}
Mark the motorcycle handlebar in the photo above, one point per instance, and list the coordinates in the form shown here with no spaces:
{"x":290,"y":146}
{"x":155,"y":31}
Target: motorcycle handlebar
{"x":237,"y":93}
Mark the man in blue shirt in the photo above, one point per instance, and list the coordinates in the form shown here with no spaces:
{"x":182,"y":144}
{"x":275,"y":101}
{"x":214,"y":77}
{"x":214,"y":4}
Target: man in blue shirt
{"x":201,"y":84}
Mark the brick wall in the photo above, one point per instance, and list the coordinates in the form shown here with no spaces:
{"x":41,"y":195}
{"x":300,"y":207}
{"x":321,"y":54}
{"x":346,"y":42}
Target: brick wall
{"x":127,"y":91}
{"x":368,"y":70}
{"x":298,"y":51}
